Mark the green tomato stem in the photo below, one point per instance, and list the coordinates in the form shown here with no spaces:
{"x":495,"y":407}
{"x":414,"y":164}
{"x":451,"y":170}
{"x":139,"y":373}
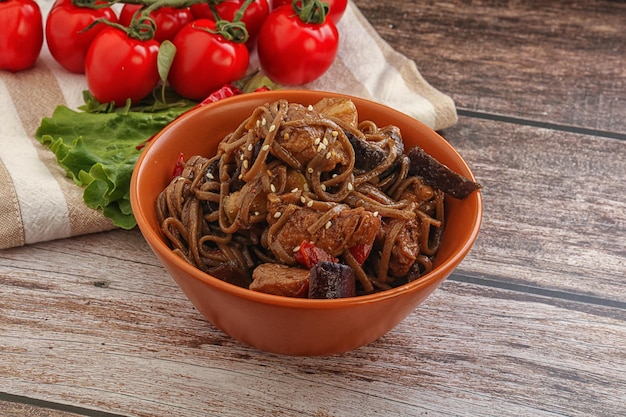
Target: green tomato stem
{"x":311,"y":11}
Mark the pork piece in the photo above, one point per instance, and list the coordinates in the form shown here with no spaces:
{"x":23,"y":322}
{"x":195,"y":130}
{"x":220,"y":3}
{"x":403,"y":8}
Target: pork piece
{"x":280,"y":279}
{"x":304,"y":142}
{"x":331,"y":280}
{"x":348,"y":228}
{"x":342,"y":109}
{"x":232,"y":274}
{"x":406,"y":247}
{"x":439,"y":175}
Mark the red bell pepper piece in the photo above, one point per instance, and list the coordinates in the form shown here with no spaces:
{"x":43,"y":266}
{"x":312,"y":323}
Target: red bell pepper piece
{"x":179,"y":166}
{"x":361,"y":252}
{"x":309,"y":255}
{"x":228,"y":90}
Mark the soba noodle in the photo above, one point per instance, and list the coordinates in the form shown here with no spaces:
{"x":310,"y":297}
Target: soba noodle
{"x":288,"y":162}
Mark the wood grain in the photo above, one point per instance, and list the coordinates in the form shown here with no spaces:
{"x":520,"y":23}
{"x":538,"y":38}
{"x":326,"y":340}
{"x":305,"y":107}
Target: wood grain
{"x":554,"y":217}
{"x":560,"y":61}
{"x":533,"y":321}
{"x":135,"y":333}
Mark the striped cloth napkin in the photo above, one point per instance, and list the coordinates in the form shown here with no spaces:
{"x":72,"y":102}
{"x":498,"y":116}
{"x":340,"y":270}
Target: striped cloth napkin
{"x":39,"y":203}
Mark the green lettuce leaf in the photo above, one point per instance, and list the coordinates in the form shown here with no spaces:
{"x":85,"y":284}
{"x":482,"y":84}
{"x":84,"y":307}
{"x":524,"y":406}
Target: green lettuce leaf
{"x":98,"y":150}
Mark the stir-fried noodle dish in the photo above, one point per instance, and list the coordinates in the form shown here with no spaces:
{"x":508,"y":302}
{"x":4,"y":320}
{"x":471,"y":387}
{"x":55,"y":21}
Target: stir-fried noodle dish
{"x":308,"y":201}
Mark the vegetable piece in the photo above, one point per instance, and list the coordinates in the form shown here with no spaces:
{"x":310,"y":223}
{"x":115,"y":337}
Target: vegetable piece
{"x":297,"y":46}
{"x":99,"y":151}
{"x":336,"y":8}
{"x":169,"y":20}
{"x":119,"y":67}
{"x":66,"y":37}
{"x":226,"y":91}
{"x":361,"y":252}
{"x":205,"y":60}
{"x":21,"y":34}
{"x":279,"y":279}
{"x":439,"y":175}
{"x":367,"y":155}
{"x":179,"y":166}
{"x":308,"y":255}
{"x":331,"y":280}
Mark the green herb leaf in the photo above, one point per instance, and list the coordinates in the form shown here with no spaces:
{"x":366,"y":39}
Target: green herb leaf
{"x":99,"y":151}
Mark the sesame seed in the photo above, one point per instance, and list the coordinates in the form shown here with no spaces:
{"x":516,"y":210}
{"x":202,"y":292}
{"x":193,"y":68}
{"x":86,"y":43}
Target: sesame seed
{"x":328,"y":155}
{"x":321,"y":147}
{"x":245,"y":163}
{"x":240,"y":176}
{"x":277,"y":214}
{"x":241,"y":157}
{"x":334,"y":133}
{"x":310,"y":107}
{"x":323,"y":187}
{"x":250,"y":147}
{"x":350,"y":186}
{"x":334,"y":176}
{"x":265,"y":148}
{"x":263,"y":122}
{"x":272,"y":188}
{"x":295,"y":190}
{"x":316,"y":141}
{"x":296,"y":249}
{"x":302,"y":200}
{"x":256,"y":213}
{"x":328,"y":224}
{"x":310,"y":203}
{"x":272,"y":128}
{"x":210,"y":176}
{"x":325,"y":141}
{"x":285,"y":136}
{"x":375,"y":214}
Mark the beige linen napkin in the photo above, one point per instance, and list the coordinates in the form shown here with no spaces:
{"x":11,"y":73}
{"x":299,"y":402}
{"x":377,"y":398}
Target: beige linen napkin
{"x":38,"y":202}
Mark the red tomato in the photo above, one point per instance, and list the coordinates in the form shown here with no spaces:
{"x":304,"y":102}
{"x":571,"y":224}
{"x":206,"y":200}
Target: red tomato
{"x":119,"y":67}
{"x":205,"y":61}
{"x":292,"y":52}
{"x":67,"y":43}
{"x":21,"y":34}
{"x":336,"y":8}
{"x":253,"y":17}
{"x":169,"y":20}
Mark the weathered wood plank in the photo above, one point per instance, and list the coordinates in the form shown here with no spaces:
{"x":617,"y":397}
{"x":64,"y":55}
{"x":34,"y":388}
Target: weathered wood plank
{"x":96,"y":322}
{"x":468,"y":349}
{"x":559,"y":61}
{"x":16,"y":409}
{"x":555,"y":206}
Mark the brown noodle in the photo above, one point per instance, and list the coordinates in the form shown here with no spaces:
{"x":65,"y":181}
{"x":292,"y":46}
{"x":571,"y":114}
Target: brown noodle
{"x":216,"y":212}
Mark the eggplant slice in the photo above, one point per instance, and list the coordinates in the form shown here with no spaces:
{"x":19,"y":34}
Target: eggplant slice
{"x":439,"y":175}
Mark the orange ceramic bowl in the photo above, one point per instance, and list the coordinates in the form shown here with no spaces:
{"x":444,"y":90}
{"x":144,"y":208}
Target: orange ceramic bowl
{"x":294,"y":326}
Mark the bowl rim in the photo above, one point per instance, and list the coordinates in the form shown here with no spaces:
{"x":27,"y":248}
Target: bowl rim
{"x":157,"y":243}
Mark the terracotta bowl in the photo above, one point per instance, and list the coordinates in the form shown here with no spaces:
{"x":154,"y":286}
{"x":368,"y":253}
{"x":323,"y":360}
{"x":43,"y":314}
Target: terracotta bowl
{"x":283,"y":325}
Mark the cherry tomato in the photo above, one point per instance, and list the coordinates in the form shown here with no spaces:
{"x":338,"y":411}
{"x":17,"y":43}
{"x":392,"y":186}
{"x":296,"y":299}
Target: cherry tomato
{"x":67,"y":42}
{"x":119,"y":67}
{"x":169,"y":20}
{"x":205,"y":60}
{"x":336,"y":8}
{"x":253,"y":17}
{"x":21,"y":34}
{"x":292,"y":52}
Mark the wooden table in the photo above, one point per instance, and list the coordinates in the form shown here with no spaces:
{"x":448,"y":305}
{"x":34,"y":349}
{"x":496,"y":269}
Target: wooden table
{"x":533,"y":322}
